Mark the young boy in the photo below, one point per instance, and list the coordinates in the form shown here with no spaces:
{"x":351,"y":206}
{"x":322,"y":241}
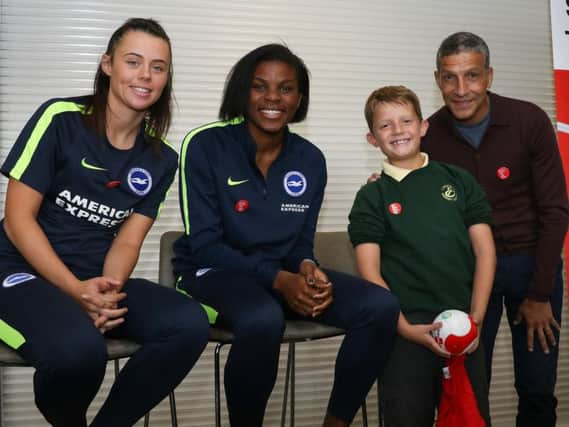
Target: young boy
{"x":422,"y":231}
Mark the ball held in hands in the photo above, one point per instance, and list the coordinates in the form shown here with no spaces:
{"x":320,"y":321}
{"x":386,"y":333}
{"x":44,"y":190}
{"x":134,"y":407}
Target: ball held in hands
{"x":457,"y":332}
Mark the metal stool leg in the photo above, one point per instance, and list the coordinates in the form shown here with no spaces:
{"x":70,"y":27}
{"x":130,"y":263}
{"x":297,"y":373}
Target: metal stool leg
{"x":173,"y":414}
{"x":217,"y":385}
{"x":1,"y":406}
{"x":379,"y":407}
{"x":292,"y":385}
{"x":364,"y":414}
{"x":286,"y":385}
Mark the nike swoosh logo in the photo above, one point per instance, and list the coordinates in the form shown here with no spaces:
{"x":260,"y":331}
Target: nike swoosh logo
{"x":88,"y":166}
{"x":202,"y":271}
{"x":232,"y":183}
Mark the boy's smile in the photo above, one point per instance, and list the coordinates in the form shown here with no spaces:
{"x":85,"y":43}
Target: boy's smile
{"x":397,"y":131}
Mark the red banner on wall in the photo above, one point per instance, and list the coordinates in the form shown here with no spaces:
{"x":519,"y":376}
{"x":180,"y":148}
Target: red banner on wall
{"x":560,"y":41}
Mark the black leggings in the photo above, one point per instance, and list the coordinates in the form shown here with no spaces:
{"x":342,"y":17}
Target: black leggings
{"x":69,"y":353}
{"x":257,"y":316}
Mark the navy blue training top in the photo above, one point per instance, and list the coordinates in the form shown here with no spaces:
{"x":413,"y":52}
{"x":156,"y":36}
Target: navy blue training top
{"x":89,"y":187}
{"x":234,"y":218}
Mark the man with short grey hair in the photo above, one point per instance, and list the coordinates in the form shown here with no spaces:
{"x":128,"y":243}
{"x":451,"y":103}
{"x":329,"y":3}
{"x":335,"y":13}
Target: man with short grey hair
{"x":510,"y":147}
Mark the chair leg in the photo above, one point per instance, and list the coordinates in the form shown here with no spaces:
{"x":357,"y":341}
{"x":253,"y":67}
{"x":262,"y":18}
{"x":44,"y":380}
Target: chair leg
{"x":292,"y":384}
{"x":379,"y":407}
{"x":1,"y":391}
{"x":173,"y":413}
{"x":117,"y":368}
{"x":217,"y":385}
{"x":286,"y":385}
{"x":364,"y":414}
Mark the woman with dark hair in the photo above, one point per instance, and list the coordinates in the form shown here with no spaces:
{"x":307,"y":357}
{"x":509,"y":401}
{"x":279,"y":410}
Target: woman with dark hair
{"x":250,"y":193}
{"x":87,"y":178}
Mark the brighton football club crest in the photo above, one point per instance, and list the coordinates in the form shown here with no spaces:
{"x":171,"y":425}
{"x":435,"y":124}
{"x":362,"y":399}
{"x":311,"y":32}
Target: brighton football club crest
{"x":139,"y":181}
{"x":294,"y":183}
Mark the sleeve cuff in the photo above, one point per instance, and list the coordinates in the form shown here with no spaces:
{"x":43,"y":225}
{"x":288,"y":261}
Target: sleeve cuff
{"x":538,"y":296}
{"x":267,"y":272}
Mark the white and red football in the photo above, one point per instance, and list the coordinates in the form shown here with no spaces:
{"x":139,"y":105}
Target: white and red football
{"x":457,"y":332}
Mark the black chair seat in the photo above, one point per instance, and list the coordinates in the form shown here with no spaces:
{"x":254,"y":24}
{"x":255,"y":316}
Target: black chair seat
{"x":295,"y":331}
{"x":116,"y":349}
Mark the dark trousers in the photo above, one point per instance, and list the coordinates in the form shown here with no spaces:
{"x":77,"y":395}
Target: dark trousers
{"x":411,"y":386}
{"x":70,"y":358}
{"x":256,"y":316}
{"x":536,"y":371}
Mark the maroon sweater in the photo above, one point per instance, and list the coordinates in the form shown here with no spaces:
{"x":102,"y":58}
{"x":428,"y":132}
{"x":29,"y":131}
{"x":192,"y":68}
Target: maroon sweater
{"x":519,"y":166}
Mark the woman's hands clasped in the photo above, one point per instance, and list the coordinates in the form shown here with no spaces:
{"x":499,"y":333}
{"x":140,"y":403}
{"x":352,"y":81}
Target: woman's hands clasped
{"x":308,"y":292}
{"x":99,"y":297}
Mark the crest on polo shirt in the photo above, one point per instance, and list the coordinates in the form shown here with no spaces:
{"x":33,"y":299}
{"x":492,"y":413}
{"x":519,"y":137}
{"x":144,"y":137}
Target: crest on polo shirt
{"x":294,"y":183}
{"x":449,"y":193}
{"x":139,"y":181}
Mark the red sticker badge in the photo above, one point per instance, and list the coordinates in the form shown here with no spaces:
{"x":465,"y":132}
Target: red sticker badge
{"x":503,"y":173}
{"x":241,"y":205}
{"x":112,"y":184}
{"x":395,"y":208}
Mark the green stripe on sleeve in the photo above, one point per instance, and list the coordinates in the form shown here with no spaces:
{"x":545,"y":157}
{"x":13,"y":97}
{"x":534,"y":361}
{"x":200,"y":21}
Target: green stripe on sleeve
{"x":36,"y":135}
{"x":184,"y":149}
{"x":11,"y":336}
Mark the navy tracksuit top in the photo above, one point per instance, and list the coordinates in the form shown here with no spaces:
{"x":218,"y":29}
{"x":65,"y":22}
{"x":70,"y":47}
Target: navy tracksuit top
{"x":235,"y":219}
{"x":72,"y":167}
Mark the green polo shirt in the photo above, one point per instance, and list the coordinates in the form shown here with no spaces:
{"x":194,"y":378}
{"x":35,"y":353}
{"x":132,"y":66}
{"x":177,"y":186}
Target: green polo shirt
{"x":420,"y":219}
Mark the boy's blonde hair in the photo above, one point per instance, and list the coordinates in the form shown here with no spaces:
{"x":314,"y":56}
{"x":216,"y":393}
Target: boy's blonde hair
{"x":391,"y":94}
